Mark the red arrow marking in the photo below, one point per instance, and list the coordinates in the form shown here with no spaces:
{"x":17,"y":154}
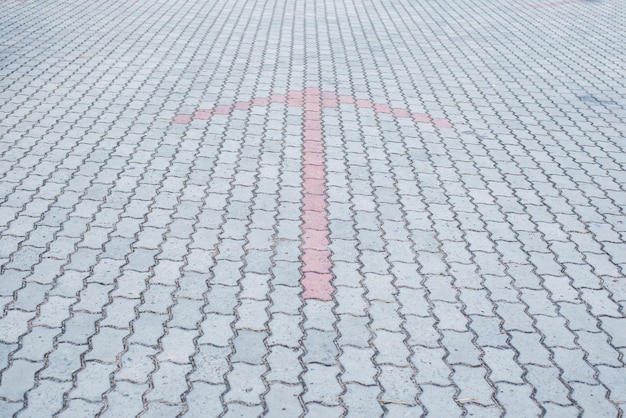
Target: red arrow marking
{"x":316,"y":276}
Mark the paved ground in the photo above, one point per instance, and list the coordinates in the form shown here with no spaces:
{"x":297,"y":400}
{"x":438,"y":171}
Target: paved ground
{"x":312,"y":208}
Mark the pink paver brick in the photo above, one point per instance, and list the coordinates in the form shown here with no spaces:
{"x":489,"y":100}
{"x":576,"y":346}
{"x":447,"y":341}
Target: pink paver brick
{"x":332,"y":103}
{"x":314,"y":202}
{"x":295,"y":94}
{"x":421,"y":118}
{"x":382,"y":108}
{"x":314,"y":158}
{"x":312,"y":126}
{"x":315,"y":239}
{"x":313,"y":115}
{"x":317,"y":286}
{"x":295,"y":102}
{"x":260,"y":101}
{"x":346,"y":99}
{"x":317,"y":261}
{"x":182,"y":119}
{"x":203,"y":114}
{"x":314,"y":146}
{"x":314,"y":186}
{"x":401,"y":113}
{"x":442,"y":123}
{"x":313,"y":172}
{"x":313,"y":219}
{"x":242,"y":105}
{"x":222,"y":110}
{"x":364,"y":104}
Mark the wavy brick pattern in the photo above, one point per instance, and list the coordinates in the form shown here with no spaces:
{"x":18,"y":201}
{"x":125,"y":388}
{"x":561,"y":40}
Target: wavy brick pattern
{"x":312,"y":208}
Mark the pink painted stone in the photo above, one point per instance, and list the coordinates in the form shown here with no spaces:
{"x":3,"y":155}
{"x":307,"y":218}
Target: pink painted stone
{"x":442,"y":123}
{"x":312,"y":125}
{"x":382,"y":108}
{"x":260,"y":101}
{"x":314,"y":186}
{"x":295,"y":102}
{"x":313,"y":172}
{"x":242,"y":106}
{"x":182,"y":119}
{"x":314,"y":202}
{"x":315,"y":239}
{"x":315,"y":114}
{"x":222,"y":110}
{"x":421,"y":118}
{"x":313,"y":146}
{"x":317,"y":286}
{"x":295,"y":94}
{"x":366,"y":104}
{"x":346,"y":99}
{"x":312,"y":219}
{"x":401,"y":113}
{"x":317,"y":261}
{"x":313,"y":158}
{"x":329,"y":95}
{"x":203,"y":114}
{"x":332,"y":103}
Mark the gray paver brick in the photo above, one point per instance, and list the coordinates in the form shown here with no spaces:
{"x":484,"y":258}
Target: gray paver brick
{"x":282,"y":401}
{"x":322,"y":384}
{"x":45,"y":398}
{"x":168,"y":382}
{"x":242,"y":411}
{"x":18,"y":378}
{"x":358,"y":365}
{"x":137,"y":363}
{"x":245,"y":383}
{"x":317,"y":410}
{"x":204,"y":399}
{"x":320,"y":347}
{"x":461,"y":348}
{"x":157,"y":409}
{"x":593,"y":398}
{"x":125,"y":398}
{"x":361,"y":400}
{"x":391,"y":348}
{"x":36,"y":344}
{"x":439,"y":401}
{"x":473,"y":385}
{"x":598,"y":349}
{"x":431,"y":366}
{"x":77,"y":407}
{"x":249,"y":347}
{"x":516,"y":400}
{"x":546,"y":382}
{"x":92,"y":381}
{"x":283,"y":362}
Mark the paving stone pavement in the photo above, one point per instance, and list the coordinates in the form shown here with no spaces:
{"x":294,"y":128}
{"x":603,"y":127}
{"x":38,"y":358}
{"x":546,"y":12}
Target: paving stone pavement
{"x":318,"y":208}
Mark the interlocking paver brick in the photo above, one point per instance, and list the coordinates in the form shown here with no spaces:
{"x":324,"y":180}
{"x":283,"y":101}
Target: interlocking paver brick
{"x":204,"y":399}
{"x":125,"y":398}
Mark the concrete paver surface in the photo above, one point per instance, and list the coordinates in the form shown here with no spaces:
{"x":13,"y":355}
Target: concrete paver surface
{"x":315,"y":208}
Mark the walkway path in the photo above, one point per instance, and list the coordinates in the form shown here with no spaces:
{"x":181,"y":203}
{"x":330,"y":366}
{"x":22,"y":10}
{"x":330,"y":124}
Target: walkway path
{"x":316,"y":208}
